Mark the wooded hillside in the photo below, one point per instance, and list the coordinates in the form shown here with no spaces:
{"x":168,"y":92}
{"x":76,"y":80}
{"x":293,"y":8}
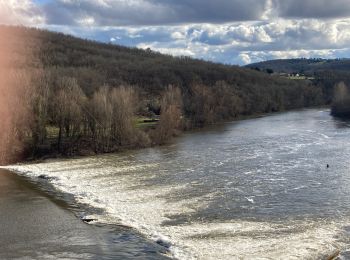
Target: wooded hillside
{"x":84,"y":91}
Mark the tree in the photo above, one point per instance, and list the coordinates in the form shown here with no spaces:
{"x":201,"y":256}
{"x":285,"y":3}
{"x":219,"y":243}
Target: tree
{"x":124,"y":104}
{"x":269,"y":71}
{"x":341,"y":101}
{"x":40,"y":108}
{"x":100,"y":119}
{"x":111,"y":117}
{"x":69,"y":103}
{"x":171,"y":115}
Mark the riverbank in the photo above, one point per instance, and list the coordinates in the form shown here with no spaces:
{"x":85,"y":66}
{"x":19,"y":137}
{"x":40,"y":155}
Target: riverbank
{"x":257,"y":188}
{"x":85,"y":152}
{"x":34,"y":225}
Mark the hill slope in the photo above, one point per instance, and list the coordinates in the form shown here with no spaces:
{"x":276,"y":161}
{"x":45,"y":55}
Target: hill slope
{"x":85,"y":92}
{"x":303,"y":66}
{"x":94,"y":64}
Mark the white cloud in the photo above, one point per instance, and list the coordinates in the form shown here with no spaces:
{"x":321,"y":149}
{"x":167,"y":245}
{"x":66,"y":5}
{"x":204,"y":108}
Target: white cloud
{"x":178,"y":35}
{"x":245,"y":58}
{"x":175,"y":51}
{"x":86,"y":21}
{"x":182,"y":28}
{"x":236,"y":43}
{"x":20,"y":12}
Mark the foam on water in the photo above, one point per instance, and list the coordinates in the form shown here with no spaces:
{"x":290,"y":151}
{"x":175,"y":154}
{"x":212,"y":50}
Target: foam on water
{"x":259,"y":190}
{"x":113,"y":190}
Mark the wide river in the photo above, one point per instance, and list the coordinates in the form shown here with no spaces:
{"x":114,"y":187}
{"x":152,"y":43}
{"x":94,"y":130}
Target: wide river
{"x":251,"y":189}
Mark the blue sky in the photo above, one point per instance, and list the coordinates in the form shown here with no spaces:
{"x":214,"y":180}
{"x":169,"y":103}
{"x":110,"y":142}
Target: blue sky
{"x":227,"y":31}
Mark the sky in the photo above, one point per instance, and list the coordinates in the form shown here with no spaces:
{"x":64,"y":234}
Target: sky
{"x":226,"y":31}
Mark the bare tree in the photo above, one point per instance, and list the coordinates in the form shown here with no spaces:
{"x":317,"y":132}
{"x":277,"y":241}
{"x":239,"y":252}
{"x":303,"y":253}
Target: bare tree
{"x":171,"y":115}
{"x":203,"y":105}
{"x":69,"y":103}
{"x":40,"y":108}
{"x":341,"y":100}
{"x":111,"y":117}
{"x":123,"y":102}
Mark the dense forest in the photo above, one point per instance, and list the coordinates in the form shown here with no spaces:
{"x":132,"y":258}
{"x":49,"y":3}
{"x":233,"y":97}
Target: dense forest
{"x":94,"y":97}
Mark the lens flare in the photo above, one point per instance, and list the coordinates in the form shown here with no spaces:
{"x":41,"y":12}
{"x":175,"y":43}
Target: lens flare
{"x":15,"y":91}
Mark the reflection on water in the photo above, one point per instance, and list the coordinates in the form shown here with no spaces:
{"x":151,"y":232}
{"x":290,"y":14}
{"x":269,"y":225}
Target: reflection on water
{"x":257,"y":188}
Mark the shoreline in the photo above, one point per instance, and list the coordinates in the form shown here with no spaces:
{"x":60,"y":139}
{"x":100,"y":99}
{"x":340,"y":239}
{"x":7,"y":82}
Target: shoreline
{"x":55,"y":156}
{"x":37,"y":224}
{"x":95,"y":182}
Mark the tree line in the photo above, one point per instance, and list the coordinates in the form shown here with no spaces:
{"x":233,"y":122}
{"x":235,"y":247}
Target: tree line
{"x":87,"y":97}
{"x":68,"y":121}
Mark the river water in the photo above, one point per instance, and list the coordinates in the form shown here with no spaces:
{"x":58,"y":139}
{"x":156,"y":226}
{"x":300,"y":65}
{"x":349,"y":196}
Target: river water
{"x":252,"y":189}
{"x":34,"y":225}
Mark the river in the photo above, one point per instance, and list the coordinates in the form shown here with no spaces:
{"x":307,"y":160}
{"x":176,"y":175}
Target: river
{"x":252,"y":189}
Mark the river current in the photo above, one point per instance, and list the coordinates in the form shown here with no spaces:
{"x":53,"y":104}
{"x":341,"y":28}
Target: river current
{"x":252,"y":189}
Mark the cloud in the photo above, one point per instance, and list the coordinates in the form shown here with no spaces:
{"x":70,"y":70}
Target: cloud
{"x":245,"y":58}
{"x":151,"y":12}
{"x":163,"y":12}
{"x":24,"y":12}
{"x":256,"y":56}
{"x":178,"y":35}
{"x":312,"y":8}
{"x":228,"y":31}
{"x":232,"y":43}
